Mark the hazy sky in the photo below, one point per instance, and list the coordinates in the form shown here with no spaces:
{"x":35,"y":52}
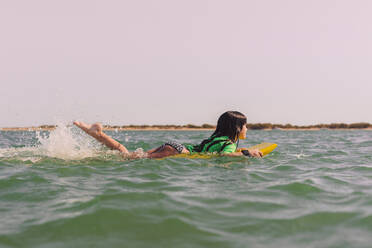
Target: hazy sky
{"x":180,"y":62}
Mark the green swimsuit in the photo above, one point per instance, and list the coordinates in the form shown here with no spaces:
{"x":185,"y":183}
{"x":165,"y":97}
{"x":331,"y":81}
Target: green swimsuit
{"x":220,"y":144}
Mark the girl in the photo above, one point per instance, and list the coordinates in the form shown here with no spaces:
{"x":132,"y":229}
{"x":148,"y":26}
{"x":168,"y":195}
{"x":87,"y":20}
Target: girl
{"x":231,"y":127}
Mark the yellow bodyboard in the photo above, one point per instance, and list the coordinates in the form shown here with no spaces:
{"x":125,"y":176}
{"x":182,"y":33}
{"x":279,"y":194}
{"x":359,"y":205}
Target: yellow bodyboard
{"x":265,"y":148}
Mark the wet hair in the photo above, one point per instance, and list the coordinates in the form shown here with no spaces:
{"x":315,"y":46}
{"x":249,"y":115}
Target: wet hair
{"x":230,"y":124}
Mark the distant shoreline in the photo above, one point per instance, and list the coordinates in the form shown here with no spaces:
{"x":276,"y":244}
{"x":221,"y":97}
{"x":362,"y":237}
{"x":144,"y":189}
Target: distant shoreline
{"x":191,"y":127}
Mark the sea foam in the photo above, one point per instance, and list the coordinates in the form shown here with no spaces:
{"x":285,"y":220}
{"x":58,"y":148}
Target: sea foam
{"x":68,"y":143}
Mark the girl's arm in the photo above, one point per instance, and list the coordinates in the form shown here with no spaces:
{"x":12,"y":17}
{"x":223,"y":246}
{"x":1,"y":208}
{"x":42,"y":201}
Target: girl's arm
{"x":232,"y":154}
{"x":96,"y":132}
{"x":253,"y":153}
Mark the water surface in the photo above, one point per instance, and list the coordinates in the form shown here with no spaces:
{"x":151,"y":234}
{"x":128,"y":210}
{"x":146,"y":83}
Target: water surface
{"x":62,"y":189}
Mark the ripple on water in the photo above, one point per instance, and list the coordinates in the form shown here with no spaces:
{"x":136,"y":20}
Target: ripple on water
{"x":300,"y":189}
{"x":106,"y":225}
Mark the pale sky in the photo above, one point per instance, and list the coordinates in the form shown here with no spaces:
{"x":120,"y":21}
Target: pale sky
{"x":179,"y":62}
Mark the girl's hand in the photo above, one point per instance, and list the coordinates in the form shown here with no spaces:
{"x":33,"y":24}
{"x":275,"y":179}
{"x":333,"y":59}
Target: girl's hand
{"x":255,"y":153}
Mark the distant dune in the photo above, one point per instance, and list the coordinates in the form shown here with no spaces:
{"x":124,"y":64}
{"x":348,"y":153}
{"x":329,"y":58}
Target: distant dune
{"x":250,"y":126}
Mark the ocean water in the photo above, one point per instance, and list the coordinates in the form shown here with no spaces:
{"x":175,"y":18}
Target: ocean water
{"x":63,"y":189}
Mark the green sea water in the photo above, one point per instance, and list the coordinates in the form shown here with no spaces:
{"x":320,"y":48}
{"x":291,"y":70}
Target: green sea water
{"x":62,"y":189}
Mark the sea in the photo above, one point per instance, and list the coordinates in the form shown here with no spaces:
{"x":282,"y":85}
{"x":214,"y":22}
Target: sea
{"x":63,"y":189}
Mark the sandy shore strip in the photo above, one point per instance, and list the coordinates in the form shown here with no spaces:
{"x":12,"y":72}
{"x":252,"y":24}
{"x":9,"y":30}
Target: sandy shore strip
{"x":51,"y":128}
{"x":106,"y":129}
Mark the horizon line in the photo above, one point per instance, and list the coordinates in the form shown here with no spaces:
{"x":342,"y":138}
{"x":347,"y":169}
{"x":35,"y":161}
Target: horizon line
{"x":250,"y":126}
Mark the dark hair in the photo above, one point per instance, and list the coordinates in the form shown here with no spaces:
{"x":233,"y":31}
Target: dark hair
{"x":230,"y":124}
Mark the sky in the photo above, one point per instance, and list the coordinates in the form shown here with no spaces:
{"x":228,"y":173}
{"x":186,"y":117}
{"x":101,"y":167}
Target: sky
{"x":179,"y":62}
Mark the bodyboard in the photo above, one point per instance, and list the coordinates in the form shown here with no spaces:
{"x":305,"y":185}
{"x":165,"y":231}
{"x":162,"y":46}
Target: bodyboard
{"x":265,"y":148}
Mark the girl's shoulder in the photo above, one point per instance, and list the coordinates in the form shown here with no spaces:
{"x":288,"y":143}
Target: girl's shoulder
{"x":229,"y":148}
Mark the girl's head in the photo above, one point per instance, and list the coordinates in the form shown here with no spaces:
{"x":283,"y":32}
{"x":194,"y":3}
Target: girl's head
{"x":231,"y":124}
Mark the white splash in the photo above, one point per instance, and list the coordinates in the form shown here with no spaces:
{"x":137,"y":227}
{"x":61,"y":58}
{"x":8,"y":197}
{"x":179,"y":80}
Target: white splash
{"x":68,"y":143}
{"x":140,"y":153}
{"x":300,"y":155}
